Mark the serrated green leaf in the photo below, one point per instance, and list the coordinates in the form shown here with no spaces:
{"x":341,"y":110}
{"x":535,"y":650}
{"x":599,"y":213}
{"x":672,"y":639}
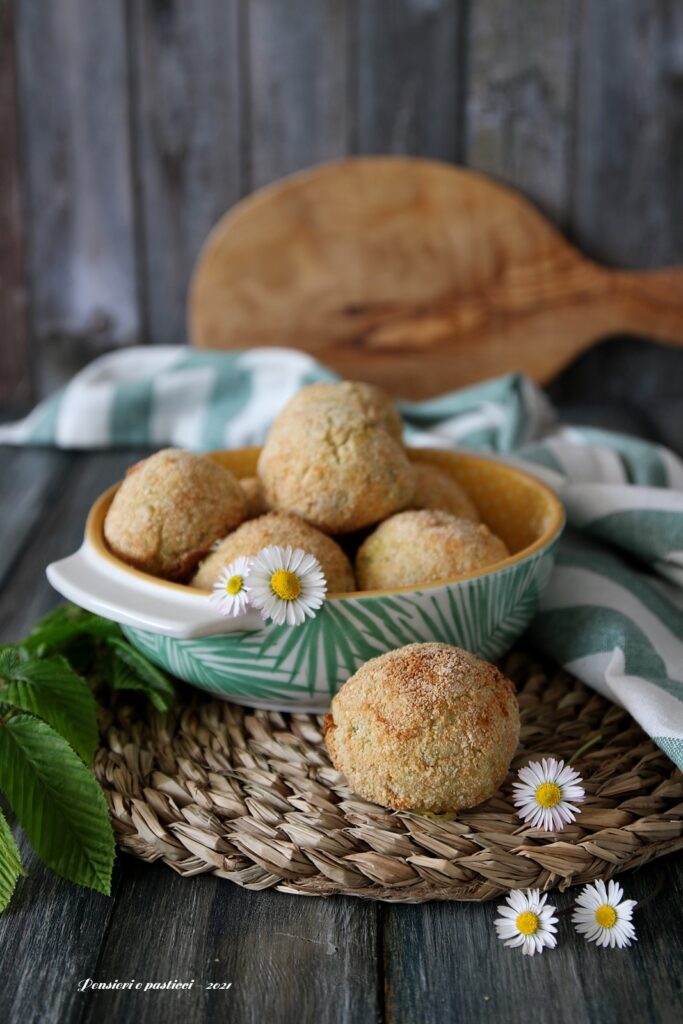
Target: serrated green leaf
{"x":58,"y":802}
{"x":51,"y":689}
{"x":9,"y":659}
{"x":123,"y":677}
{"x":10,"y":863}
{"x":131,"y":670}
{"x":61,"y":627}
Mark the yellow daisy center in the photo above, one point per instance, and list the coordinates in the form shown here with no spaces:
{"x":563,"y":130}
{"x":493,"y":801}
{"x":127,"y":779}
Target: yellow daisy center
{"x":285,"y":585}
{"x":234,"y":585}
{"x":527,"y":922}
{"x":606,"y":916}
{"x":548,"y":794}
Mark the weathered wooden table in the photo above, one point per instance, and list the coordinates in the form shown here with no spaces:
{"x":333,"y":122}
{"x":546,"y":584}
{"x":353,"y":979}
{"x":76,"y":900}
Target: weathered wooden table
{"x":291,"y":958}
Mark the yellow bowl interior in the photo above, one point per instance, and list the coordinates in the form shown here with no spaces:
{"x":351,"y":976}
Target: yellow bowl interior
{"x":513,"y":505}
{"x":521,"y":510}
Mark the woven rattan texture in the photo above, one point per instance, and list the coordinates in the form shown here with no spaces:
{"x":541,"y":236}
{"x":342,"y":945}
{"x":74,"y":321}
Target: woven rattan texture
{"x":252,"y":797}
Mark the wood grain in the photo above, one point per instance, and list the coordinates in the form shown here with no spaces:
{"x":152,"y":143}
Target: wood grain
{"x":288,"y":959}
{"x":53,"y":929}
{"x":521,"y":66}
{"x":449,"y":965}
{"x":408,"y":67}
{"x":31,"y":479}
{"x":74,"y":103}
{"x":629,"y":385}
{"x":140,"y":123}
{"x":187,"y":124}
{"x":56,"y":528}
{"x":15,"y":359}
{"x":628,"y":203}
{"x":411,"y":270}
{"x":296,"y":73}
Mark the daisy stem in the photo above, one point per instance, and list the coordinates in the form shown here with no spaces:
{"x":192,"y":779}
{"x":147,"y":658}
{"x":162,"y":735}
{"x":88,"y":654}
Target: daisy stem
{"x":584,"y":747}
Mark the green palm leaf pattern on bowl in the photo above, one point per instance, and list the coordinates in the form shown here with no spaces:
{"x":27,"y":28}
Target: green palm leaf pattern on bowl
{"x":303,"y":667}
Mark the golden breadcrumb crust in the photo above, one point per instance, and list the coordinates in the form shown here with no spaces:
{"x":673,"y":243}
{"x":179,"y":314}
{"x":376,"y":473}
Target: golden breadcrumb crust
{"x":428,"y":727}
{"x":325,"y":463}
{"x":436,"y":489}
{"x":170,"y":509}
{"x":366,"y":400}
{"x":283,"y":530}
{"x":414,"y":548}
{"x":254,"y":497}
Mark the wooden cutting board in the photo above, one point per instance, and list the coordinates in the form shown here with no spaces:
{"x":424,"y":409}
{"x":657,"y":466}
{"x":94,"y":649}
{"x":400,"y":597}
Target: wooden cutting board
{"x":416,"y":275}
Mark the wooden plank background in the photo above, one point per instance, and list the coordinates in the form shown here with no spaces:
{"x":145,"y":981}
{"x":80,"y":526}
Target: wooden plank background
{"x":129,"y":126}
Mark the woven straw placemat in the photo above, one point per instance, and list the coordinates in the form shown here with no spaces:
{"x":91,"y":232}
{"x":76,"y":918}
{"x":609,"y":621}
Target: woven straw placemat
{"x":251,"y":796}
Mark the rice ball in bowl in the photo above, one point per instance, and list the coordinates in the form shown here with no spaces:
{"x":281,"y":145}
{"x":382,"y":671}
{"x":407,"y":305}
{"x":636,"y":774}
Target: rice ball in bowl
{"x":284,"y":531}
{"x":428,"y":727}
{"x":364,"y":401}
{"x":426,"y":546}
{"x":334,"y":469}
{"x":170,"y":509}
{"x":436,"y":489}
{"x":256,"y":504}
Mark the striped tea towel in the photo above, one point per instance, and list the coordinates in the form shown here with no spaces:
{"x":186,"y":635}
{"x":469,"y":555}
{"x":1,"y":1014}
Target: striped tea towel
{"x":613,"y":611}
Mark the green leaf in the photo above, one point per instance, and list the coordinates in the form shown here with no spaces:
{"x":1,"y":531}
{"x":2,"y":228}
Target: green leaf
{"x":10,"y":863}
{"x":9,"y":659}
{"x":64,"y":625}
{"x":123,"y":677}
{"x":131,"y":670}
{"x":58,"y":802}
{"x":50,"y":689}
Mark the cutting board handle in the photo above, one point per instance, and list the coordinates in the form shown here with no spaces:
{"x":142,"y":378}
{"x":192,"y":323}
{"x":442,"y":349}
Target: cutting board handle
{"x":651,"y":302}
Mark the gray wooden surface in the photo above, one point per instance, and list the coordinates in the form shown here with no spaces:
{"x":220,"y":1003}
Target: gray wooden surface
{"x":129,"y":126}
{"x":295,"y":959}
{"x":16,"y":383}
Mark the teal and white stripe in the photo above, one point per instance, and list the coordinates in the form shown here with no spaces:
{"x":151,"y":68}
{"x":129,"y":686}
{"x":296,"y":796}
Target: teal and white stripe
{"x":613,"y":612}
{"x":168,"y":395}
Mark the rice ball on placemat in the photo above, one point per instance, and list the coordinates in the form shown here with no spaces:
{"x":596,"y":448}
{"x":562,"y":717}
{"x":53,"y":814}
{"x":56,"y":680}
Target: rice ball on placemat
{"x":427,"y":727}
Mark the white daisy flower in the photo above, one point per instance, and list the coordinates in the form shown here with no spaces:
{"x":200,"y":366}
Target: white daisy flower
{"x":229,"y":590}
{"x":603,"y":917}
{"x":286,"y":585}
{"x":548,"y":793}
{"x":527,"y":922}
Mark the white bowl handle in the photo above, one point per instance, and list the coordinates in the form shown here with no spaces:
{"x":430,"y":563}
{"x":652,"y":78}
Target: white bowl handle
{"x":84,"y":579}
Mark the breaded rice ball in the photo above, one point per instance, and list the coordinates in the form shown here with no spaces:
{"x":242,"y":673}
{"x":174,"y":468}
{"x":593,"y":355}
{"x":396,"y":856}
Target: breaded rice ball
{"x":255,"y":498}
{"x":334,"y":469}
{"x":283,"y":530}
{"x":428,"y":728}
{"x":170,"y":509}
{"x":366,"y":400}
{"x":413,"y":548}
{"x":435,"y":488}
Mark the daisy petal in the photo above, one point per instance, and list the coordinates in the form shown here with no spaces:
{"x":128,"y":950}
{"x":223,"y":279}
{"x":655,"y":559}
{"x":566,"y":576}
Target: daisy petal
{"x":544,"y":793}
{"x":281,"y":599}
{"x":527,"y":922}
{"x":603,"y":917}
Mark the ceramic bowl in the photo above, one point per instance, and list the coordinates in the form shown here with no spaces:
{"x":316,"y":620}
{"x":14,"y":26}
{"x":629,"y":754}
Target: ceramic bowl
{"x":300,"y":668}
